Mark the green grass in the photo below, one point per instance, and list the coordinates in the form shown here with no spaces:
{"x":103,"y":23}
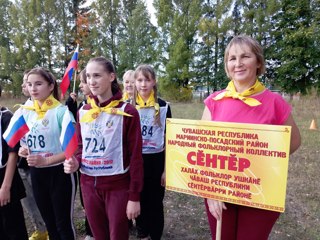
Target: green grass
{"x":187,"y":110}
{"x":10,"y":102}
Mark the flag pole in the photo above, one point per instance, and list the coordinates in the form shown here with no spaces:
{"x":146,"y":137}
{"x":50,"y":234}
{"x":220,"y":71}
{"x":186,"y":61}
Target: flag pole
{"x":218,"y":229}
{"x":75,"y":73}
{"x":74,"y":81}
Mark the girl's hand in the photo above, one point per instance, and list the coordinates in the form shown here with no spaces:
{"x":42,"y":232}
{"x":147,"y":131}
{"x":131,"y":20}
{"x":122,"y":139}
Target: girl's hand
{"x":4,"y":196}
{"x":133,"y":209}
{"x":163,"y":179}
{"x":71,"y":165}
{"x":36,"y":160}
{"x":73,"y":96}
{"x":23,"y":152}
{"x":216,"y":207}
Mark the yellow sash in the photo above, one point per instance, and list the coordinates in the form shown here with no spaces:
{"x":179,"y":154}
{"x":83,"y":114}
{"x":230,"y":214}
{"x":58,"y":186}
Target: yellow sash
{"x":95,"y":110}
{"x":89,"y":99}
{"x":125,"y":96}
{"x":150,"y":102}
{"x":244,"y":96}
{"x":49,"y":103}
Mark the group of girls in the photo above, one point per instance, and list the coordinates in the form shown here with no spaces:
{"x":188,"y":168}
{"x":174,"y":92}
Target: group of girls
{"x":120,"y":158}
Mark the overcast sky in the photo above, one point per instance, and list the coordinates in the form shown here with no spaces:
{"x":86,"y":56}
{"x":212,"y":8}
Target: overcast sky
{"x":151,"y":11}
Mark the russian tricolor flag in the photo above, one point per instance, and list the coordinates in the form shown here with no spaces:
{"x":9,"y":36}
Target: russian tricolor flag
{"x":68,"y":137}
{"x":16,"y":130}
{"x":73,"y":65}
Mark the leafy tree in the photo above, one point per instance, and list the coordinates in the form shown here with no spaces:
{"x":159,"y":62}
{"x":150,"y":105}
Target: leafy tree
{"x":107,"y":27}
{"x":296,"y":51}
{"x":257,"y":21}
{"x":183,"y":33}
{"x":4,"y":23}
{"x":5,"y":60}
{"x":39,"y":28}
{"x":178,"y":21}
{"x":164,"y":14}
{"x":67,"y":17}
{"x":186,"y":46}
{"x":83,"y":23}
{"x":213,"y":28}
{"x":138,"y":46}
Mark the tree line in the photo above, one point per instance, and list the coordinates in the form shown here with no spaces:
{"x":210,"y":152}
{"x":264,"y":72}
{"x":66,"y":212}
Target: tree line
{"x":186,"y":46}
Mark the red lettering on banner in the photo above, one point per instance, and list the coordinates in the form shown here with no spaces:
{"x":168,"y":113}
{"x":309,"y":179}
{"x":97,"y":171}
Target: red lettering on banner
{"x":189,"y":170}
{"x":239,"y":194}
{"x":231,"y":162}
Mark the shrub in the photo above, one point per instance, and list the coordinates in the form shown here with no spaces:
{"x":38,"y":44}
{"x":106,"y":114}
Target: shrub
{"x":170,"y":91}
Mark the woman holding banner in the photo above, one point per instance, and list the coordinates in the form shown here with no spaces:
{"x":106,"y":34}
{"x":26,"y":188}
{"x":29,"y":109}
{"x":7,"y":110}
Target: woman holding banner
{"x":246,"y":100}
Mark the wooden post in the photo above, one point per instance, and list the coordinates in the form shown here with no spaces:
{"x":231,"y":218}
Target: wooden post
{"x":218,"y":229}
{"x":74,"y":81}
